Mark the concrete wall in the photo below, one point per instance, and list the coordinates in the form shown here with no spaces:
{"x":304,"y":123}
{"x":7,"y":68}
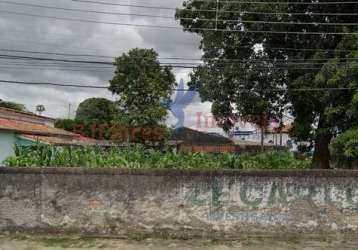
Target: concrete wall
{"x":7,"y":144}
{"x":178,"y":204}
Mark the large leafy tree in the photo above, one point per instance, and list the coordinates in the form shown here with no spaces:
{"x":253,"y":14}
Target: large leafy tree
{"x":248,"y":98}
{"x":141,"y":84}
{"x":302,"y":40}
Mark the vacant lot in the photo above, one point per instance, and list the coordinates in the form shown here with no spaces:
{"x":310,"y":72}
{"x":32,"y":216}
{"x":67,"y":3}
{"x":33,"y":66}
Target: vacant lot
{"x":42,"y":243}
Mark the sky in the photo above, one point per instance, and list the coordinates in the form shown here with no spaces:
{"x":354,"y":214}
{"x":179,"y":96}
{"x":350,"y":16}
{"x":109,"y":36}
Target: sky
{"x":20,"y":32}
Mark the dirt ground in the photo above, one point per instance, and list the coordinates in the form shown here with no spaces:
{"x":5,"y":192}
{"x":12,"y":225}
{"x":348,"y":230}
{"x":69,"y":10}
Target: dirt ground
{"x":50,"y":243}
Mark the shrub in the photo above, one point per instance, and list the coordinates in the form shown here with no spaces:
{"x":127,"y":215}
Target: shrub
{"x":344,"y":149}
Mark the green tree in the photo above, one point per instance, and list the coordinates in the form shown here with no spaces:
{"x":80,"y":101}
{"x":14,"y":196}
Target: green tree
{"x":141,"y":83}
{"x":66,"y":124}
{"x":304,"y":58}
{"x":345,"y":149}
{"x":12,"y":105}
{"x":96,"y":115}
{"x":249,"y":98}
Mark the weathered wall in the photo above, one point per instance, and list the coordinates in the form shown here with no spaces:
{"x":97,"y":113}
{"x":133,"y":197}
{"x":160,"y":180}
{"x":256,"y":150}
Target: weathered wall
{"x":7,"y":144}
{"x":178,"y":204}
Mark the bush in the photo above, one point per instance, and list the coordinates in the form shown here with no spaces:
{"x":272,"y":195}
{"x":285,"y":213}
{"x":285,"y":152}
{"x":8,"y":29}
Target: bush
{"x":139,"y":157}
{"x":344,"y":149}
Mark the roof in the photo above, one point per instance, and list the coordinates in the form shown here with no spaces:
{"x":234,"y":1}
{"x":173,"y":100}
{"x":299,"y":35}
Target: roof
{"x":31,"y":128}
{"x":285,"y":129}
{"x":76,"y":140}
{"x":25,"y":113}
{"x":34,"y":130}
{"x":187,"y":135}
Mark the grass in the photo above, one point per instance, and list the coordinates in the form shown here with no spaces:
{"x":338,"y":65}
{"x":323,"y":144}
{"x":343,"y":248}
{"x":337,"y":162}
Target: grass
{"x":140,"y":158}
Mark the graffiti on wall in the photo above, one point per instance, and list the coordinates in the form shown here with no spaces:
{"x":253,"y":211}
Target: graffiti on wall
{"x":246,"y":200}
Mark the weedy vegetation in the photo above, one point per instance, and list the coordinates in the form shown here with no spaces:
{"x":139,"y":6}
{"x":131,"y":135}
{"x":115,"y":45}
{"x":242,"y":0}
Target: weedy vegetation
{"x":138,"y":157}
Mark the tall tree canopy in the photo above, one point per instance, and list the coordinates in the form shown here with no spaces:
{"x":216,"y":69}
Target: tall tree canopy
{"x":141,"y":84}
{"x":310,"y":44}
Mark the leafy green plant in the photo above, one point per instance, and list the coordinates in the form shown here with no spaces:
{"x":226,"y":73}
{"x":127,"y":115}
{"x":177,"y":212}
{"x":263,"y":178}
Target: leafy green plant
{"x":345,"y":148}
{"x":137,"y":157}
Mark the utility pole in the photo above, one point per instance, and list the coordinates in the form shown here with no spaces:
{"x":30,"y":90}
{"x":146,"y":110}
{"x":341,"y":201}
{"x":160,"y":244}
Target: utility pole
{"x":69,"y":111}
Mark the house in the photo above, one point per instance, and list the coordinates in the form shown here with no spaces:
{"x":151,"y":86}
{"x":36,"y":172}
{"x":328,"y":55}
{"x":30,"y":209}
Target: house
{"x":279,"y":137}
{"x":272,"y":137}
{"x":25,"y":129}
{"x":190,"y":140}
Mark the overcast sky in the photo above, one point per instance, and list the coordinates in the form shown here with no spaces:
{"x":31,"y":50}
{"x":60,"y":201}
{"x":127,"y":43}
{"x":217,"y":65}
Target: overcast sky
{"x":21,"y":32}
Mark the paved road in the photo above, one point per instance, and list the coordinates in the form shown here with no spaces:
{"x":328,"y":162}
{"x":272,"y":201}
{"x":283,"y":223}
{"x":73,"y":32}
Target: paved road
{"x":31,"y":243}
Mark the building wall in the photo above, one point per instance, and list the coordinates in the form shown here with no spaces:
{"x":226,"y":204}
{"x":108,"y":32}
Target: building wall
{"x":7,"y":144}
{"x":269,"y":138}
{"x":21,"y":141}
{"x":229,"y":204}
{"x":200,"y":148}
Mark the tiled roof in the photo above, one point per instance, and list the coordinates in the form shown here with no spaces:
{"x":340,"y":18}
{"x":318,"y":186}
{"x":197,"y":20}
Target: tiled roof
{"x":187,"y":135}
{"x":23,"y":113}
{"x":60,"y":140}
{"x":31,"y":128}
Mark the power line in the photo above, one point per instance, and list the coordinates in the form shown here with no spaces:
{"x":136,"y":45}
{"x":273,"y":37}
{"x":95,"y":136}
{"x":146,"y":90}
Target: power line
{"x":72,"y":68}
{"x":240,"y":90}
{"x":53,"y":69}
{"x":224,"y":11}
{"x":175,"y":27}
{"x":174,"y":58}
{"x":299,"y":14}
{"x":188,"y":43}
{"x":282,"y":22}
{"x":173,"y":65}
{"x":85,"y":11}
{"x":229,"y":2}
{"x":53,"y":59}
{"x":127,"y":5}
{"x":56,"y":84}
{"x":288,"y":61}
{"x":274,"y":2}
{"x":182,"y":18}
{"x":272,"y":64}
{"x":279,"y":66}
{"x":54,"y":53}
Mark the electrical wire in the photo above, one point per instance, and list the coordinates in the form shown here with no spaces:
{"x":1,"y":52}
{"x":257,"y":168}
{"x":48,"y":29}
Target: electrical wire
{"x":172,"y":17}
{"x":228,"y":2}
{"x":194,"y":44}
{"x":223,"y":61}
{"x":177,"y":27}
{"x":185,"y":90}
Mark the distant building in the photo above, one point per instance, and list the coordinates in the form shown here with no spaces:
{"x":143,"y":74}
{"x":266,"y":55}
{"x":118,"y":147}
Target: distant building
{"x":272,"y":136}
{"x":279,"y":137}
{"x":189,"y":140}
{"x":26,"y":129}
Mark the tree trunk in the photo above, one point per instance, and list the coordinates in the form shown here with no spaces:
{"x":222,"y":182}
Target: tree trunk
{"x":262,"y":139}
{"x":321,"y":155}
